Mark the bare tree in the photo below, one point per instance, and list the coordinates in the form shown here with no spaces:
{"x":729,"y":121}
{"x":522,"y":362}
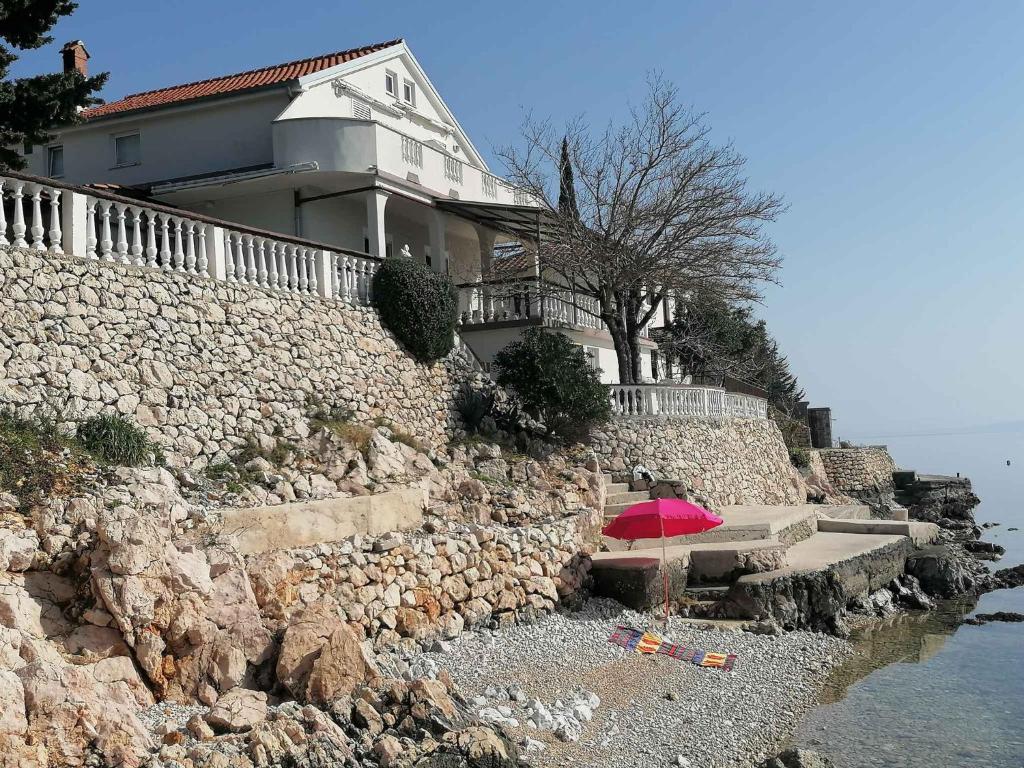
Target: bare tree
{"x":659,"y":210}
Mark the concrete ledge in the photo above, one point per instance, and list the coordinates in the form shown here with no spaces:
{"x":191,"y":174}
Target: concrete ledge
{"x":636,"y":581}
{"x":262,"y":529}
{"x":846,"y":511}
{"x":919,"y":533}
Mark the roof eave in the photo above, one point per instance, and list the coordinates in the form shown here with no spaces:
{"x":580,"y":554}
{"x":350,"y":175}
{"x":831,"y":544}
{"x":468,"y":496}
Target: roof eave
{"x":286,"y":85}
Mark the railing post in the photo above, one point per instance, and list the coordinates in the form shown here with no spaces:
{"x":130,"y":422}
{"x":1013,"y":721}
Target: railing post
{"x":216,"y":256}
{"x":74,"y":212}
{"x":322,"y":265}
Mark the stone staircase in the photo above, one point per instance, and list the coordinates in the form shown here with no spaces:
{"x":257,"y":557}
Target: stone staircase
{"x":756,"y":547}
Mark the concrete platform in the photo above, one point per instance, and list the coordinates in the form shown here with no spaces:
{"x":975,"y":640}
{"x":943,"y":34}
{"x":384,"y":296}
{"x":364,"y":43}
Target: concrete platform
{"x":704,"y":562}
{"x":919,"y":533}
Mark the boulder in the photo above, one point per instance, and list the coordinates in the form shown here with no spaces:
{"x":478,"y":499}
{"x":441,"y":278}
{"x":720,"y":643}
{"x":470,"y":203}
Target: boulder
{"x":941,"y":571}
{"x":798,"y":758}
{"x":342,"y":665}
{"x":238,"y":710}
{"x":302,"y":644}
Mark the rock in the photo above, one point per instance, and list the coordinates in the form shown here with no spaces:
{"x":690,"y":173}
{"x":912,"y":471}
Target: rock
{"x":17,"y":549}
{"x":798,"y":758}
{"x":484,"y":748}
{"x":985,"y":618}
{"x":342,"y":665}
{"x":941,"y":572}
{"x":302,"y":645}
{"x":12,"y":706}
{"x":238,"y":710}
{"x":388,"y":751}
{"x":199,"y":728}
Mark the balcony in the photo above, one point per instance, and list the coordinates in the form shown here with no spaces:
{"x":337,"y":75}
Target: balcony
{"x":529,"y":301}
{"x":346,"y":145}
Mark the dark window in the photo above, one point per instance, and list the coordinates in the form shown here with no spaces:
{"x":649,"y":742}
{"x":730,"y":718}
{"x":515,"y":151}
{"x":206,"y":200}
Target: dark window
{"x":654,"y":365}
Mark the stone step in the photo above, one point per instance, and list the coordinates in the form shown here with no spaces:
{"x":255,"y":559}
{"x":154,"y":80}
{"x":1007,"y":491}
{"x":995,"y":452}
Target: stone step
{"x":919,"y":533}
{"x":613,"y":488}
{"x":611,"y":511}
{"x":628,"y":498}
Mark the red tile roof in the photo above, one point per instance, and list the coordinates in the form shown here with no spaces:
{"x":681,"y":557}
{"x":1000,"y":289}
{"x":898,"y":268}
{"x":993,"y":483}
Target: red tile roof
{"x":231,"y":84}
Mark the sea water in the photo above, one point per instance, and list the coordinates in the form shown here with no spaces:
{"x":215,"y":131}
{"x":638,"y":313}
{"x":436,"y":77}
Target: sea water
{"x":922,"y":691}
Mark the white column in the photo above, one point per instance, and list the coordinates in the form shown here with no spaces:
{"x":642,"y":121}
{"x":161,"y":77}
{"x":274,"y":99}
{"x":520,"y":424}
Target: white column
{"x":376,"y":202}
{"x":324,"y":276}
{"x":74,"y":210}
{"x":216,"y":254}
{"x":438,"y":243}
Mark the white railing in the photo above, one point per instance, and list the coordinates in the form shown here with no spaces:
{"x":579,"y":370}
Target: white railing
{"x":453,"y":169}
{"x":412,"y":151}
{"x":489,"y":185}
{"x":555,"y":305}
{"x":661,"y":400}
{"x":35,"y":217}
{"x":59,"y":218}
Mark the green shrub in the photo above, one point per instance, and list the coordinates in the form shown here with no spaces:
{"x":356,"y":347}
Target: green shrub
{"x":475,"y":405}
{"x":555,"y":383}
{"x":420,"y":307}
{"x":36,"y":458}
{"x":115,"y":440}
{"x":800,"y":458}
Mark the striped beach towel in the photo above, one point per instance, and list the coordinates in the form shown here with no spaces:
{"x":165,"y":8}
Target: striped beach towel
{"x":637,"y":640}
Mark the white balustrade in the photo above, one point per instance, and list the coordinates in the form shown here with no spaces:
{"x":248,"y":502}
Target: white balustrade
{"x":33,"y":209}
{"x":489,"y":185}
{"x":453,"y":169}
{"x":706,"y":402}
{"x":412,"y":151}
{"x":352,"y":277}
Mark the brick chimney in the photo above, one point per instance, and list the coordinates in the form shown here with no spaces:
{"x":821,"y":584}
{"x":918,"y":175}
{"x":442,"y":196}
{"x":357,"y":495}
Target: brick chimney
{"x":76,"y":58}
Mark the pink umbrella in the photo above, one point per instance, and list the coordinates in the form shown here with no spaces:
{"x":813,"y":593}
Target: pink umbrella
{"x":661,"y":518}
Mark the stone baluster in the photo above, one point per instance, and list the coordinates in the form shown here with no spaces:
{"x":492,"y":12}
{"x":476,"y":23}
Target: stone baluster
{"x":90,"y":230}
{"x":55,"y":233}
{"x":3,"y":216}
{"x":303,"y":268}
{"x":137,"y":259}
{"x":179,"y":252}
{"x":106,"y":241}
{"x":271,"y":263}
{"x":122,"y":235}
{"x":293,"y":270}
{"x":188,"y":229}
{"x":37,"y":221}
{"x":151,"y":249}
{"x":165,"y":241}
{"x":229,"y":258}
{"x":202,"y":260}
{"x":311,"y":261}
{"x":251,"y":270}
{"x":18,"y":224}
{"x":261,"y":264}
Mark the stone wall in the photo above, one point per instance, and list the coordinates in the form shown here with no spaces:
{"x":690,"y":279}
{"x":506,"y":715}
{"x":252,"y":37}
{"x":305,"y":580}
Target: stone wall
{"x":429,"y":586}
{"x":855,"y":470}
{"x":727,"y":461}
{"x":203,"y":365}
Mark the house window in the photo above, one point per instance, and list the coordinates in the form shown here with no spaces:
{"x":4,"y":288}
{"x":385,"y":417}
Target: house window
{"x":409,"y":93}
{"x":426,"y":256}
{"x":55,"y":161}
{"x":391,"y":83}
{"x":127,"y":150}
{"x":27,"y":148}
{"x":389,"y":246}
{"x":654,"y":365}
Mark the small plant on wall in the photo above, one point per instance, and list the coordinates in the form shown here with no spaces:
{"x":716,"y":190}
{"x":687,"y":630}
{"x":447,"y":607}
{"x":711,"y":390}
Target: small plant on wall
{"x":418,"y":305}
{"x":554,"y":382}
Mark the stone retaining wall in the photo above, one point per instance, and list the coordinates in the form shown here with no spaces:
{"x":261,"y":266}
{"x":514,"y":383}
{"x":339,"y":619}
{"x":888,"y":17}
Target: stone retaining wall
{"x":724,"y":461}
{"x":429,"y":586}
{"x":203,"y":365}
{"x":853,"y":470}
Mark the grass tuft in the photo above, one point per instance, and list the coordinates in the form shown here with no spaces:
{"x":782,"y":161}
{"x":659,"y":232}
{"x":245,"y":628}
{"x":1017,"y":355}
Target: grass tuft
{"x":113,"y":439}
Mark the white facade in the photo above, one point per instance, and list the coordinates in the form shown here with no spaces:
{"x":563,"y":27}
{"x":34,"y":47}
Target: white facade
{"x":355,"y":156}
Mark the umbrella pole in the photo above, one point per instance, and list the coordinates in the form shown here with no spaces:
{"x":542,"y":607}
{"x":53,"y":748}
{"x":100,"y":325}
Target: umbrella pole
{"x":664,"y":567}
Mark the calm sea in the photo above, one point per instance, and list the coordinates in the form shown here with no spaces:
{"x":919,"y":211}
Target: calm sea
{"x":922,"y":691}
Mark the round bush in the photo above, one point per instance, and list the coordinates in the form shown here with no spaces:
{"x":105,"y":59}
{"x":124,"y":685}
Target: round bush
{"x":420,"y":306}
{"x":555,"y":383}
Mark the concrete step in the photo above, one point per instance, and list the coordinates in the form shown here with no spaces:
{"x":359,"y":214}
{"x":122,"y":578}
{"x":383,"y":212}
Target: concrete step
{"x":628,"y":498}
{"x":846,"y":511}
{"x":611,"y":511}
{"x":614,"y":488}
{"x":919,"y":533}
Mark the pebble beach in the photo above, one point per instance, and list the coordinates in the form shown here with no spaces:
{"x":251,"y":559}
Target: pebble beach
{"x":569,"y":697}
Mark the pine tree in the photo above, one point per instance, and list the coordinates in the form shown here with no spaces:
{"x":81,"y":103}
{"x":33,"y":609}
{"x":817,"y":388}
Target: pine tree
{"x":31,"y":106}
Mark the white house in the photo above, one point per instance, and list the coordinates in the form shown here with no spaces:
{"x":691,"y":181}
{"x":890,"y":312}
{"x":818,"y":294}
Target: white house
{"x":355,"y":149}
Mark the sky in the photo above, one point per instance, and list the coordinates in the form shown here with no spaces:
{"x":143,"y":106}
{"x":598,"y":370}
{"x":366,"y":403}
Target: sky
{"x":892,"y":130}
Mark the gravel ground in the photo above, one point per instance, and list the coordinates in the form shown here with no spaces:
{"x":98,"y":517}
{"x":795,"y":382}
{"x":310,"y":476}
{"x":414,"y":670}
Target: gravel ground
{"x":653,"y":710}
